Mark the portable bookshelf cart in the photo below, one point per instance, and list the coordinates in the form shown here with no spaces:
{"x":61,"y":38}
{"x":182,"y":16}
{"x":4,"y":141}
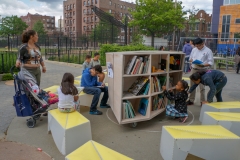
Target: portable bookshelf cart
{"x":121,"y":82}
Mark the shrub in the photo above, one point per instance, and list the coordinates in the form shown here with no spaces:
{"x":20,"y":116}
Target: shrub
{"x":7,"y":77}
{"x":116,"y":48}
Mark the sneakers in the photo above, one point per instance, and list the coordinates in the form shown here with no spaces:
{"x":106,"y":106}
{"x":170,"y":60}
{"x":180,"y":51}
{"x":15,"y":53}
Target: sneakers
{"x":104,"y":106}
{"x":183,"y":120}
{"x":190,"y":102}
{"x":96,"y":112}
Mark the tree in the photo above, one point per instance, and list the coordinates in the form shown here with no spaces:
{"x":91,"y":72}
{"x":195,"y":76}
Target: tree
{"x":12,"y":26}
{"x":157,"y":17}
{"x":39,"y":28}
{"x":105,"y":32}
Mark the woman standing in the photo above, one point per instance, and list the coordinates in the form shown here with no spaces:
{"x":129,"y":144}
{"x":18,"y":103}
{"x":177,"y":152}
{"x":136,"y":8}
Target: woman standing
{"x":30,"y":55}
{"x":215,"y":79}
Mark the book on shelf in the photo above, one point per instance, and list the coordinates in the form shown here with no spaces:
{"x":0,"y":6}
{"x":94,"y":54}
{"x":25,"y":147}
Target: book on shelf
{"x":171,"y":85}
{"x":130,"y":65}
{"x":143,"y":106}
{"x":137,"y":65}
{"x":137,"y":86}
{"x":157,"y":83}
{"x":128,"y":110}
{"x":158,"y":102}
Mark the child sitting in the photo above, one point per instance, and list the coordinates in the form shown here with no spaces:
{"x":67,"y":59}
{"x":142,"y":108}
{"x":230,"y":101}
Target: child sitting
{"x":180,"y":108}
{"x":68,"y":94}
{"x":87,"y":63}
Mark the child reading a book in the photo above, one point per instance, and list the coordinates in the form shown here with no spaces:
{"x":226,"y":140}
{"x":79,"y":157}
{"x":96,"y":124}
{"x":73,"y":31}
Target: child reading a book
{"x":180,"y":108}
{"x":68,"y":94}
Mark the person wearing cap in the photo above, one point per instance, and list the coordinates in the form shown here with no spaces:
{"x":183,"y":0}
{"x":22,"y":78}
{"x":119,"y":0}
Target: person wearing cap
{"x":205,"y":55}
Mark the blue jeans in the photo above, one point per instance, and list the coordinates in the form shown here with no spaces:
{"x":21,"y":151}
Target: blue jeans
{"x":219,"y":86}
{"x":96,"y":92}
{"x":186,"y":65}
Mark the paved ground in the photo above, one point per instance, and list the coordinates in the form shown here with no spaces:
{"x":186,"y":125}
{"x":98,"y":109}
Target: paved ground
{"x":140,"y":143}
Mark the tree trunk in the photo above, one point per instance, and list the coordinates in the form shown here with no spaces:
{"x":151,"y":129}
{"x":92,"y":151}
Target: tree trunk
{"x":152,"y":42}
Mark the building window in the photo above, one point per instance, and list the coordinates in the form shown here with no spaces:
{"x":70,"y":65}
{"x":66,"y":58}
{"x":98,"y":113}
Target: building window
{"x":130,"y":29}
{"x":84,"y":11}
{"x":84,"y":28}
{"x":196,"y":27}
{"x":237,"y":21}
{"x":115,"y":5}
{"x":121,"y":6}
{"x":92,"y":19}
{"x":225,"y":27}
{"x":121,"y":14}
{"x":95,"y":18}
{"x":73,"y":28}
{"x":84,"y":19}
{"x":95,"y":1}
{"x":124,"y":7}
{"x":92,"y":26}
{"x":88,"y":2}
{"x":52,"y":25}
{"x":84,"y":3}
{"x":110,"y":3}
{"x":110,"y":11}
{"x":65,"y":15}
{"x":208,"y":27}
{"x":70,"y":6}
{"x":73,"y":21}
{"x":122,"y":38}
{"x":122,"y":30}
{"x":73,"y":5}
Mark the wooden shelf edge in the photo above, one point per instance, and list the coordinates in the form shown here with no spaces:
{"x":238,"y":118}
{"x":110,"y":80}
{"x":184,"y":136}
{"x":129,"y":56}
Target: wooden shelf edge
{"x":135,"y":97}
{"x":136,"y":75}
{"x":174,"y":71}
{"x":156,"y":93}
{"x":158,"y":73}
{"x":156,"y":112}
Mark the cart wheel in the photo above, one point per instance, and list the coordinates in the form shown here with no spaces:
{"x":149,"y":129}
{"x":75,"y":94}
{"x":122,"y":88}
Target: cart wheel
{"x":36,"y":117}
{"x":134,"y":124}
{"x":31,"y":122}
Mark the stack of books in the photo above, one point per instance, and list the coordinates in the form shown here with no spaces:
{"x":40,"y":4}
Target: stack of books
{"x":139,"y":86}
{"x":157,"y":102}
{"x":137,"y":65}
{"x":128,"y":111}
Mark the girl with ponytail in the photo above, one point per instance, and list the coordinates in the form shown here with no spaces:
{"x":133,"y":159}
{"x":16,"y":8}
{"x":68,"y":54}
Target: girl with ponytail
{"x":215,"y":79}
{"x":179,"y":110}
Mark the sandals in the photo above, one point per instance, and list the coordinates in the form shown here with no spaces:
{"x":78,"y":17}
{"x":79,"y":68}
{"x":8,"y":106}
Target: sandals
{"x":183,"y":120}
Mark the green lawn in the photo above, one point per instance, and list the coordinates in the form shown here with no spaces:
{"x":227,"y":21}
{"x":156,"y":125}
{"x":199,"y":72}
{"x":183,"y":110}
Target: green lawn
{"x":6,"y":49}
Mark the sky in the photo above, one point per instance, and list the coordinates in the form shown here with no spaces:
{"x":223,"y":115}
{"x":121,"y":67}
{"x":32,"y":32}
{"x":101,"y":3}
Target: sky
{"x":55,"y":7}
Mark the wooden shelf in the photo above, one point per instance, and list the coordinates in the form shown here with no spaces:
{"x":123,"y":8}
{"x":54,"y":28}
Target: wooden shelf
{"x":127,"y":95}
{"x":173,"y":71}
{"x":157,"y":73}
{"x":156,"y":93}
{"x":156,"y":112}
{"x":135,"y":75}
{"x":121,"y":82}
{"x":135,"y":119}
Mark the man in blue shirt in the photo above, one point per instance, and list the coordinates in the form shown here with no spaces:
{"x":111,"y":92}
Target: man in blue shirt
{"x":187,"y":49}
{"x":95,"y":88}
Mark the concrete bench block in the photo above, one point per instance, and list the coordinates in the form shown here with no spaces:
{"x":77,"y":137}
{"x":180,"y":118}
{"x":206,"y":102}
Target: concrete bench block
{"x":205,"y":142}
{"x":230,"y":121}
{"x":233,"y":106}
{"x":95,"y":151}
{"x":69,"y":130}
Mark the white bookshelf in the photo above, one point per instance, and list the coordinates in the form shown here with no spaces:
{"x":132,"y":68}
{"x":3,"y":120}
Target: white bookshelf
{"x":120,"y":83}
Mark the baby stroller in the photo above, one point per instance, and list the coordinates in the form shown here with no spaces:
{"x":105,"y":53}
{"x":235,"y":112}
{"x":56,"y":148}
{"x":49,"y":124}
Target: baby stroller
{"x":26,"y":101}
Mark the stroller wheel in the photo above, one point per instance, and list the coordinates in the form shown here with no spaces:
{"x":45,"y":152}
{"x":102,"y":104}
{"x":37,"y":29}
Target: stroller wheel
{"x":36,"y":117}
{"x":31,"y":122}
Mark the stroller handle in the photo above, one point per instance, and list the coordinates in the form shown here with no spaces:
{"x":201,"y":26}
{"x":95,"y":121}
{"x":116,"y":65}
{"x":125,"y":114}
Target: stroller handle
{"x":11,"y":70}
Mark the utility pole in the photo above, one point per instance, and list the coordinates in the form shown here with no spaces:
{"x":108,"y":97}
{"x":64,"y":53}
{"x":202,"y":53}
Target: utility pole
{"x":173,"y":37}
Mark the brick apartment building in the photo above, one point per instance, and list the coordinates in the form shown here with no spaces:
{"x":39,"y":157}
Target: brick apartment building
{"x":80,"y":19}
{"x":48,"y":21}
{"x":201,"y":27}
